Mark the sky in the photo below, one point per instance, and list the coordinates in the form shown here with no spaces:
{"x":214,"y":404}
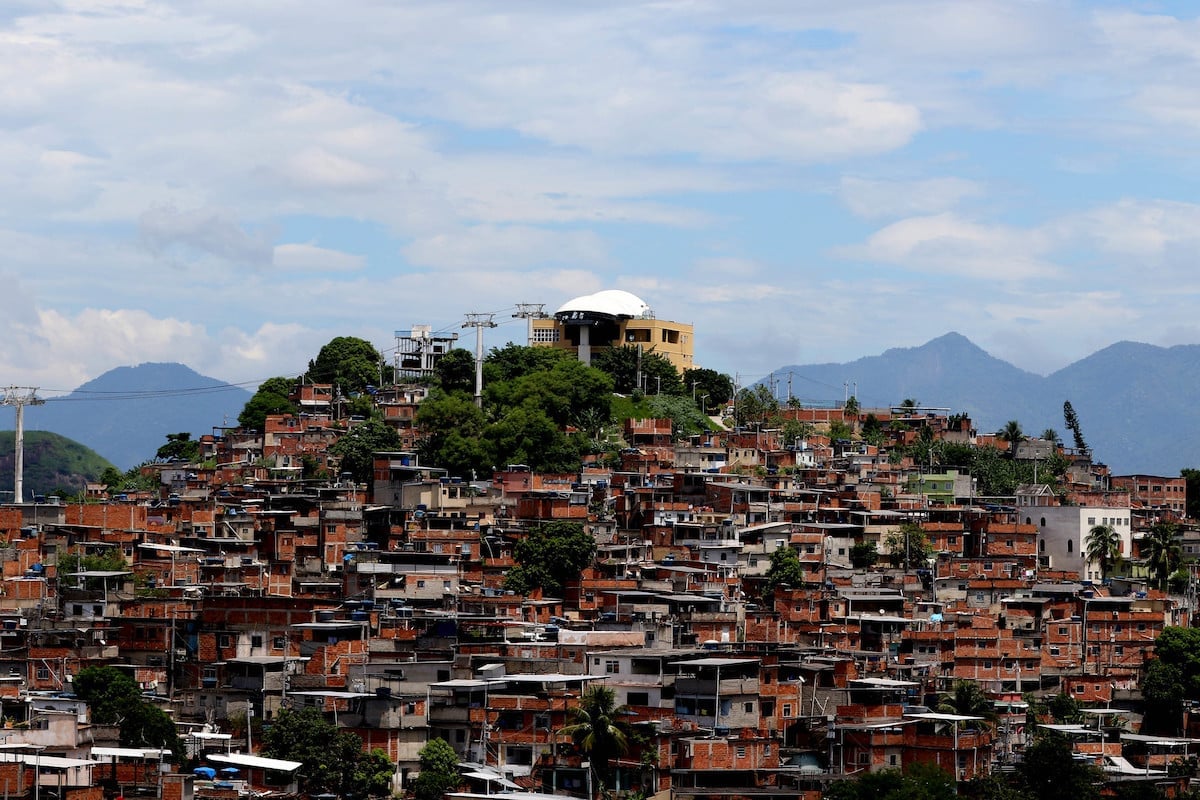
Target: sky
{"x":230,"y":185}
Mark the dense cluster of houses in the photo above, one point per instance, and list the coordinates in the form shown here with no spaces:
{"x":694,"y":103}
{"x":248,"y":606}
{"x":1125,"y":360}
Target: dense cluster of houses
{"x":248,"y":589}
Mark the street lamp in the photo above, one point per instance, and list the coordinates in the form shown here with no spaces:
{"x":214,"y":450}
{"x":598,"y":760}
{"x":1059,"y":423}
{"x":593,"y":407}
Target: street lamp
{"x":704,"y":403}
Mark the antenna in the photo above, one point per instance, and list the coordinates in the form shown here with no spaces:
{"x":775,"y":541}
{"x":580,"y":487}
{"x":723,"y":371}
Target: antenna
{"x":20,"y":396}
{"x":479,"y":322}
{"x":530,"y":311}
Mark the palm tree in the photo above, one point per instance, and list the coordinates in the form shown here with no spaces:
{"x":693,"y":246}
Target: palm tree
{"x":1103,"y":547}
{"x":1051,"y":435}
{"x":598,"y":730}
{"x":1012,"y":433}
{"x":966,"y":699}
{"x":1163,"y":552}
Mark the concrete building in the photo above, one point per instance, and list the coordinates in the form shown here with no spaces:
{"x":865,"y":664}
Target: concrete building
{"x":614,"y":318}
{"x":1063,"y":533}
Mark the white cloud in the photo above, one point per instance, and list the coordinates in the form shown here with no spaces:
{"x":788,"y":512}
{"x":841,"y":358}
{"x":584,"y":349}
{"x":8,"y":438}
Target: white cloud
{"x":311,"y":258}
{"x":947,"y":244}
{"x":213,"y":231}
{"x":871,"y":198}
{"x":507,"y":246}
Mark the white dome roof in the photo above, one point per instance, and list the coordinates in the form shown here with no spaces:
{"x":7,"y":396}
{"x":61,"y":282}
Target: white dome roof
{"x":612,"y":302}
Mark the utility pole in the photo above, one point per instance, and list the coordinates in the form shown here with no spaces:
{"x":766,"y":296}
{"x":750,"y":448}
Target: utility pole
{"x":479,"y":322}
{"x":20,"y":396}
{"x":530,"y":312}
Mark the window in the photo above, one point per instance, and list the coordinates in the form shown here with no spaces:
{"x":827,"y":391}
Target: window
{"x":638,"y":699}
{"x":612,"y":667}
{"x":1091,"y":520}
{"x":741,"y":752}
{"x":1079,"y":688}
{"x":787,"y":710}
{"x":256,"y":640}
{"x":1070,"y":546}
{"x":43,"y":672}
{"x":224,"y":640}
{"x":420,"y":584}
{"x":748,"y":708}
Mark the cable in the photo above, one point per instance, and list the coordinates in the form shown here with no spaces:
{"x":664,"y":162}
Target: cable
{"x":91,"y":395}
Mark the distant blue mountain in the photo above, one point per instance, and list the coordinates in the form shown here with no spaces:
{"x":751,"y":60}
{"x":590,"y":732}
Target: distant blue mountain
{"x":126,"y":413}
{"x":1138,"y":405}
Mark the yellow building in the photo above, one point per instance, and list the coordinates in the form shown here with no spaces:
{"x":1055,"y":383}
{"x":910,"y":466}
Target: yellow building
{"x":613,"y":318}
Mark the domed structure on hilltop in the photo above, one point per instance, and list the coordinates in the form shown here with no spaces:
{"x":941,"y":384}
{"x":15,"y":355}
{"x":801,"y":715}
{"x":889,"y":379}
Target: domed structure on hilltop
{"x":611,"y":303}
{"x":613,"y":318}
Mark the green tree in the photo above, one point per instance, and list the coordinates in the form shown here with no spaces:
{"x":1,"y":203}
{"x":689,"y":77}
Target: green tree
{"x":179,"y":447}
{"x":551,"y":556}
{"x":966,"y":699}
{"x":598,"y":730}
{"x":661,"y":376}
{"x":1012,"y":433}
{"x":1191,"y":479}
{"x":863,"y":555}
{"x":686,"y":419}
{"x":332,"y":761}
{"x":1102,"y":547}
{"x":909,"y":405}
{"x":1162,"y":697}
{"x":1050,"y":771}
{"x":908,"y":546}
{"x":851,"y":409}
{"x":872,"y":430}
{"x":439,"y":770}
{"x":786,"y":569}
{"x":114,"y":699}
{"x":514,"y":361}
{"x":1064,"y":708}
{"x":755,"y":406}
{"x":716,"y":385}
{"x":527,"y":436}
{"x":451,"y":427}
{"x":568,"y":392}
{"x":109,"y":559}
{"x":347,"y":362}
{"x":1071,"y":420}
{"x":920,"y":781}
{"x":839,"y":430}
{"x":357,"y":447}
{"x":271,"y":398}
{"x":621,"y":365}
{"x":455,"y":371}
{"x":1051,"y":435}
{"x":1163,"y":552}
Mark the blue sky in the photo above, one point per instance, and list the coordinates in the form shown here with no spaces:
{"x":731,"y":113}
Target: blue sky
{"x":232,"y":184}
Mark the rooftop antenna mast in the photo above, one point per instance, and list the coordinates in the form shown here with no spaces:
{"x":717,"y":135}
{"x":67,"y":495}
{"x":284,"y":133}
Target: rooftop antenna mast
{"x":530,"y":311}
{"x":479,"y":322}
{"x":20,"y":396}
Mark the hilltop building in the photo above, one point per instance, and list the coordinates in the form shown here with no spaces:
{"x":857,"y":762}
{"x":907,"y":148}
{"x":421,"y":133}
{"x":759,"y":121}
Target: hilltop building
{"x":614,"y":318}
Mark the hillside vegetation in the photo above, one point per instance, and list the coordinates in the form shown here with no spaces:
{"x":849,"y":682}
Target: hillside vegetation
{"x":53,"y":464}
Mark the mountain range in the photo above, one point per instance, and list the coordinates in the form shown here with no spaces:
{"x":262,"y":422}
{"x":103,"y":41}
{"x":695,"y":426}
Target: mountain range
{"x":1138,"y":405}
{"x":126,"y":413}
